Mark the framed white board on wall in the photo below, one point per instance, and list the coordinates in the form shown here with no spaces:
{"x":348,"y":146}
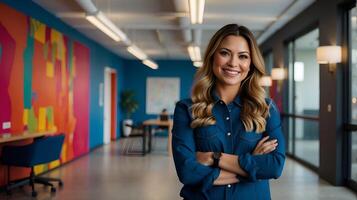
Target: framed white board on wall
{"x":162,"y":93}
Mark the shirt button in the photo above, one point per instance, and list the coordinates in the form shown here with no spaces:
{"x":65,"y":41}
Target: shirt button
{"x":220,"y":102}
{"x":229,"y":185}
{"x":227,"y":118}
{"x":229,"y":133}
{"x":229,"y":110}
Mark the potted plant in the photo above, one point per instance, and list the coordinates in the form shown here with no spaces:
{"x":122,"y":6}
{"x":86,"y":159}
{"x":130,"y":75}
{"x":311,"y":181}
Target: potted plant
{"x":128,"y":105}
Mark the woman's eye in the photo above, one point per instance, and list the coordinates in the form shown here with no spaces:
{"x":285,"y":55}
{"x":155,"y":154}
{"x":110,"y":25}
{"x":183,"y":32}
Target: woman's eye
{"x":224,"y":53}
{"x":243,"y":56}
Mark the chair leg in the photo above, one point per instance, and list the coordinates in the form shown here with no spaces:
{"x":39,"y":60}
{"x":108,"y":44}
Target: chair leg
{"x":43,"y":181}
{"x":14,"y":184}
{"x":8,"y":181}
{"x":32,"y":182}
{"x":49,"y":179}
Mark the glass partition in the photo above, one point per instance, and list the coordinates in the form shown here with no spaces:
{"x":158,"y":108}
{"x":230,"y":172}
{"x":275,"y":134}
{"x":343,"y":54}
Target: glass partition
{"x":304,"y":102}
{"x":352,"y":100}
{"x":268,"y":61}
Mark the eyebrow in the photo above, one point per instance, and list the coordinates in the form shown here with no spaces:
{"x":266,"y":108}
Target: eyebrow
{"x":242,"y":52}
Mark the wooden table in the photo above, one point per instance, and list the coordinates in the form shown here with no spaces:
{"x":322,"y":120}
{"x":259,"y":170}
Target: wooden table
{"x":148,"y":124}
{"x":20,"y":136}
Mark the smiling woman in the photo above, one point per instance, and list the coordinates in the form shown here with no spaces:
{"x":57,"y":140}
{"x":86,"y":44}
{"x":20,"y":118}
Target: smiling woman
{"x":233,"y":49}
{"x":225,"y":138}
{"x":232,"y":62}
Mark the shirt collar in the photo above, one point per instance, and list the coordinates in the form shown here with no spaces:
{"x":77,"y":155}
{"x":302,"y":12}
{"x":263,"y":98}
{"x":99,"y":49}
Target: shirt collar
{"x":237,"y":100}
{"x":216,"y":98}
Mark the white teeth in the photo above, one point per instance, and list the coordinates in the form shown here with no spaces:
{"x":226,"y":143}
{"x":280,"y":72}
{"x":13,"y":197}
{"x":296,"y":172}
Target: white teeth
{"x":231,"y":72}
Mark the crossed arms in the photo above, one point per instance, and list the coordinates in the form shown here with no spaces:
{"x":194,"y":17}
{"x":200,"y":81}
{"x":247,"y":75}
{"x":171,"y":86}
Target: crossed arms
{"x":195,"y":168}
{"x":229,"y":163}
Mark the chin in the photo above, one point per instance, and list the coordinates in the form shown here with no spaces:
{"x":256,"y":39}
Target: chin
{"x":231,"y":82}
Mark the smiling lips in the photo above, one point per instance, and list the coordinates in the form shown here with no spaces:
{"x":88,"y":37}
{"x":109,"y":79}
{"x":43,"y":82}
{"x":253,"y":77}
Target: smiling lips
{"x":230,"y":72}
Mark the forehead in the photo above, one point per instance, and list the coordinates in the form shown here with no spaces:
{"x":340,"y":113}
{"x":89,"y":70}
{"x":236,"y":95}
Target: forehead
{"x":235,"y":43}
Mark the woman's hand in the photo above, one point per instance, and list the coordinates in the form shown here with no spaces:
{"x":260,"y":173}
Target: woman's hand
{"x":265,"y":147}
{"x":225,"y":178}
{"x":205,"y":158}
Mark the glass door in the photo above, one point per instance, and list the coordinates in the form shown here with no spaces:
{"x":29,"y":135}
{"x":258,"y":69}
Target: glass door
{"x":268,"y":60}
{"x":352,"y":98}
{"x":304,"y":99}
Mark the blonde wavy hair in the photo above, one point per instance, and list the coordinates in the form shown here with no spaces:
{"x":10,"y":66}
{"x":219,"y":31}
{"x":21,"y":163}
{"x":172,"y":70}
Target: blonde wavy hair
{"x":254,"y":109}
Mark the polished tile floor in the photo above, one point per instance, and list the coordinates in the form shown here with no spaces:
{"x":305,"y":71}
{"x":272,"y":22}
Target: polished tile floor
{"x":105,"y":174}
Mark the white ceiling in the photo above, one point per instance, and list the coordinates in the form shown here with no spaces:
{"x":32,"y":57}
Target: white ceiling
{"x":162,"y":29}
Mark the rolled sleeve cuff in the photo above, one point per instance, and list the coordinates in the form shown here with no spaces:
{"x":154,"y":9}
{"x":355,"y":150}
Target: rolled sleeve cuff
{"x":249,"y":165}
{"x":209,"y":179}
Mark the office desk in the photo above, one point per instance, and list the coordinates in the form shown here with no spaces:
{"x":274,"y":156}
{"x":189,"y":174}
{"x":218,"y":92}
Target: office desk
{"x":4,"y":138}
{"x":148,"y":124}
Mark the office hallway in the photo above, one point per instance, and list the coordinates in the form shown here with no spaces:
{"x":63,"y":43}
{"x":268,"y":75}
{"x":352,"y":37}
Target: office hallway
{"x":105,"y":174}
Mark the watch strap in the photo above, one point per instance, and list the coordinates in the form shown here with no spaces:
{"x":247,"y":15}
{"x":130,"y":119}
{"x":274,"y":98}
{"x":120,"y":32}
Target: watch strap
{"x":216,"y":157}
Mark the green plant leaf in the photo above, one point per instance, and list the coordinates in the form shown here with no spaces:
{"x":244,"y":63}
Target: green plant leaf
{"x":128,"y":102}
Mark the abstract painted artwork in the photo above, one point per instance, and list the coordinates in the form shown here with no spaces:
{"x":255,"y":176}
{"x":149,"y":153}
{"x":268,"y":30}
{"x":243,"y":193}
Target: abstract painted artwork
{"x":44,"y":82}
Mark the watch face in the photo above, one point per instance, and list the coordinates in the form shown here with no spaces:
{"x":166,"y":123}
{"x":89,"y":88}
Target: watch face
{"x":217,"y":155}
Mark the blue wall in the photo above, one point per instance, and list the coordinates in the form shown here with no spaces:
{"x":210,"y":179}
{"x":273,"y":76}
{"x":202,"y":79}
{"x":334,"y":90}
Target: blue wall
{"x":99,"y":58}
{"x":136,"y":74}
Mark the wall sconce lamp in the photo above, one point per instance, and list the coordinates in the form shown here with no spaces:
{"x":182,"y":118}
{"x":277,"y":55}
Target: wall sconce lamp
{"x":278,"y":73}
{"x":266,"y":81}
{"x":329,"y":55}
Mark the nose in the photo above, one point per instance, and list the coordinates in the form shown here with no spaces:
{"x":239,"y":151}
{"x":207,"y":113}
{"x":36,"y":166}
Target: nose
{"x":233,"y":61}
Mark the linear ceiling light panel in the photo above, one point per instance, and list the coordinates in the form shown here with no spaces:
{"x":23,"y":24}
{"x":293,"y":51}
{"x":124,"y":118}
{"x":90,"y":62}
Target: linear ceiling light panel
{"x":112,"y":26}
{"x":194,"y":52}
{"x":96,"y":22}
{"x":106,"y":25}
{"x":197,"y":53}
{"x":197,"y":64}
{"x":150,"y":64}
{"x":200,"y":11}
{"x":191,"y":53}
{"x":196,"y":11}
{"x":98,"y":19}
{"x":137,"y":52}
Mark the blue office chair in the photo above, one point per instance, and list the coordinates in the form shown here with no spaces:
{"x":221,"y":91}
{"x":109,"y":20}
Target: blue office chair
{"x":162,"y":131}
{"x":42,"y":150}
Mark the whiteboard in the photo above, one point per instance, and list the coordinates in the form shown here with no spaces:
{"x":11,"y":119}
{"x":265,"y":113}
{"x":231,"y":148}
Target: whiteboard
{"x":162,"y":93}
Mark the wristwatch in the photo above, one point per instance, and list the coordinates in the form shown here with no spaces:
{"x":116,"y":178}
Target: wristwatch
{"x":216,"y":157}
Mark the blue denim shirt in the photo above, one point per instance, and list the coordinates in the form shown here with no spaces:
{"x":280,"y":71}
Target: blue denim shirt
{"x":229,"y":136}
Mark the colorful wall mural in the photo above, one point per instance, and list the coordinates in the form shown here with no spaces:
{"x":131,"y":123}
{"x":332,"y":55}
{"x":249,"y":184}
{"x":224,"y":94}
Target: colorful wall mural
{"x":44,"y":82}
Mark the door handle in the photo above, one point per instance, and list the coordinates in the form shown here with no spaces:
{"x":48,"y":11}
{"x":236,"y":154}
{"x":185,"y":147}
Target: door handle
{"x":350,"y":127}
